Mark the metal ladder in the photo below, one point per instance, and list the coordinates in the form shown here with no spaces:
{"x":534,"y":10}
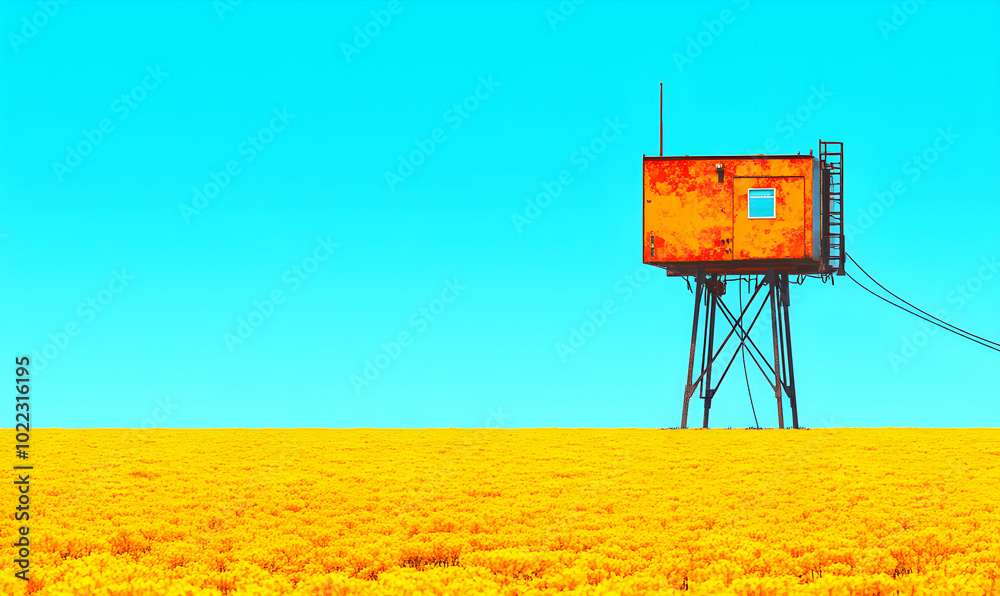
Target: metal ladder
{"x":831,"y":155}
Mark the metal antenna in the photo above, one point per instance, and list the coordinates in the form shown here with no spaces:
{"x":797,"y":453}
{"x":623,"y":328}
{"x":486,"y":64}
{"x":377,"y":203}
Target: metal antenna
{"x":661,"y":119}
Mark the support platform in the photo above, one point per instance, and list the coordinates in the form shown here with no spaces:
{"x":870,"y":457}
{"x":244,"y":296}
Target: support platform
{"x":710,"y":289}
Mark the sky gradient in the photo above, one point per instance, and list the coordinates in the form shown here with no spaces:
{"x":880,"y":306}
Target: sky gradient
{"x":220,"y":214}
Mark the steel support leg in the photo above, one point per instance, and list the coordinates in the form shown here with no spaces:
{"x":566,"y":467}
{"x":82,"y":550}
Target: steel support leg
{"x":704,"y":338}
{"x":689,"y":388}
{"x":779,"y":299}
{"x":709,"y":393}
{"x":786,"y":301}
{"x":781,"y":335}
{"x":772,"y":294}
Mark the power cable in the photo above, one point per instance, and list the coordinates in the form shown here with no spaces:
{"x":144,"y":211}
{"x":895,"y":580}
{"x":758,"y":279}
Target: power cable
{"x":914,"y":307}
{"x":921,"y":316}
{"x":743,"y":354}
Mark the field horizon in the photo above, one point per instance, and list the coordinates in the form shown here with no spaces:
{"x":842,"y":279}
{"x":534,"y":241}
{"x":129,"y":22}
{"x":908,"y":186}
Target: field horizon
{"x":127,"y":429}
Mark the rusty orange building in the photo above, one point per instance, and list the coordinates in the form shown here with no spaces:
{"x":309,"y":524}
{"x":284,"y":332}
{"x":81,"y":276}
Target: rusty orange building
{"x":735,"y":214}
{"x":754,"y":219}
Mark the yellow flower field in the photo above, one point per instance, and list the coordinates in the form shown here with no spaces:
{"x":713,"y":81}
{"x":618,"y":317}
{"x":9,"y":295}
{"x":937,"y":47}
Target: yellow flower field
{"x":519,"y":512}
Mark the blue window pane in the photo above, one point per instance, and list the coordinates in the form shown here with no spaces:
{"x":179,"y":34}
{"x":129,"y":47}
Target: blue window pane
{"x":761,"y":202}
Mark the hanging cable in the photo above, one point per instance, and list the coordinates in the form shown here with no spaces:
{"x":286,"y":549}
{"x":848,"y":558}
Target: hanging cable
{"x":743,"y":354}
{"x":914,"y":307}
{"x":920,"y":316}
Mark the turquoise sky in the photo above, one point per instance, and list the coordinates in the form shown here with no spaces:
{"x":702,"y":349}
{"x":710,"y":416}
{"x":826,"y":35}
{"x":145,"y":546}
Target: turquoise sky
{"x":221,"y":214}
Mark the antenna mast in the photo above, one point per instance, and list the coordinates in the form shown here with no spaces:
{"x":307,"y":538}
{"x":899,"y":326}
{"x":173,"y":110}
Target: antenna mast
{"x":661,"y":119}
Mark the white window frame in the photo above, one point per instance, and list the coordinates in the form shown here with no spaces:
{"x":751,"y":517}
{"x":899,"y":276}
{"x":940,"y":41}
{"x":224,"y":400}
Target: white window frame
{"x":774,"y":203}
